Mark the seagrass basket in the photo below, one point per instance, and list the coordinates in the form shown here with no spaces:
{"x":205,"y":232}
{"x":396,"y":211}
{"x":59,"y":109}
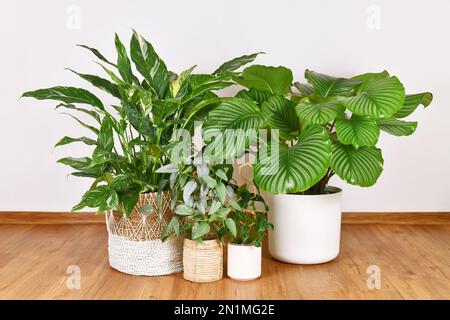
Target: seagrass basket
{"x":134,"y":244}
{"x":202,"y":262}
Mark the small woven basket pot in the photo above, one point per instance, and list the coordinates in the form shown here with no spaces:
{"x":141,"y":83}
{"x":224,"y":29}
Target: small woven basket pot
{"x":134,"y":244}
{"x":202,"y":262}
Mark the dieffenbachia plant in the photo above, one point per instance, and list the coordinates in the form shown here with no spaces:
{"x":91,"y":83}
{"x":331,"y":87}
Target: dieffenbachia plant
{"x":327,"y":126}
{"x":131,"y":137}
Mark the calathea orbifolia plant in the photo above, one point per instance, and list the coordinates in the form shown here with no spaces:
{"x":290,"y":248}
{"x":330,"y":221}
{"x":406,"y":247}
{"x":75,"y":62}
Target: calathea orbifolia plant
{"x":131,"y":137}
{"x":327,"y":126}
{"x":205,"y":199}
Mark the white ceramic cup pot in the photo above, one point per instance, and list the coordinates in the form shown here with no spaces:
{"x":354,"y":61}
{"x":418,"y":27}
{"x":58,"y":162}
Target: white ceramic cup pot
{"x":243,"y":262}
{"x":307,"y":228}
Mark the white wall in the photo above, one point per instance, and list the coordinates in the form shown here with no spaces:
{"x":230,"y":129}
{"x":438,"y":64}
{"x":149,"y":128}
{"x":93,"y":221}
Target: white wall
{"x":335,"y":37}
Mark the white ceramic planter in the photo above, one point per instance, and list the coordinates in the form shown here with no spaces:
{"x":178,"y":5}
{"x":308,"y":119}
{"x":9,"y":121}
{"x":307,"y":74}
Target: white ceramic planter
{"x":307,"y":228}
{"x":243,"y":262}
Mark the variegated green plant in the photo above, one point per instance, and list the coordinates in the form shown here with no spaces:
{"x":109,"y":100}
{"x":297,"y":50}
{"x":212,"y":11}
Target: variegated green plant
{"x":329,"y":125}
{"x":131,"y":138}
{"x":203,"y":196}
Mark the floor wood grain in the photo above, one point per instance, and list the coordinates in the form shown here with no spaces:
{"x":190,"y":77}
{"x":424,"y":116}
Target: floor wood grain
{"x":414,"y":262}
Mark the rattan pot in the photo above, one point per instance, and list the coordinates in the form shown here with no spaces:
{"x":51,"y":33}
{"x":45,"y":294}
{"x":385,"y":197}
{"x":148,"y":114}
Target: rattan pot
{"x":202,"y":262}
{"x":134,"y":244}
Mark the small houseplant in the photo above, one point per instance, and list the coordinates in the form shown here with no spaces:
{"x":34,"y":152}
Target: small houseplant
{"x":245,"y":242}
{"x":327,"y":126}
{"x":131,"y":139}
{"x":201,"y":216}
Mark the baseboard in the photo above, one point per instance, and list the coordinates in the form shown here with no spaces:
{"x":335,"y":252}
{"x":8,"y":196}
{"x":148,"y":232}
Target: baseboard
{"x":421,"y":218}
{"x":39,"y":217}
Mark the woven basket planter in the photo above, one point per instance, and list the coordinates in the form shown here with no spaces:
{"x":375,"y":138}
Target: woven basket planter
{"x":202,"y":262}
{"x":134,"y":244}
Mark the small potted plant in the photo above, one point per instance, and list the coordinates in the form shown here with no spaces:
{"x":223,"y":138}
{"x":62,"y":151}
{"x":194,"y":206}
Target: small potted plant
{"x":201,"y":217}
{"x":328,"y":126}
{"x":245,"y":242}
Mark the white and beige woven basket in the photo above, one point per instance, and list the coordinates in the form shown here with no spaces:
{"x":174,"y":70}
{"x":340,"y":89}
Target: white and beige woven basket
{"x":134,"y":244}
{"x":202,"y":262}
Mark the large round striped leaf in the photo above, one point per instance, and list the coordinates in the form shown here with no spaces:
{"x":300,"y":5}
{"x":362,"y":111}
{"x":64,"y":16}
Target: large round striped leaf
{"x":275,"y":80}
{"x":319,"y":113}
{"x":327,"y":86}
{"x":254,"y":95}
{"x":297,"y":168}
{"x":281,"y":115}
{"x":231,"y":126}
{"x":357,"y":130}
{"x":412,"y":101}
{"x":377,"y":98}
{"x":360,"y":166}
{"x":371,"y":75}
{"x":397,"y":127}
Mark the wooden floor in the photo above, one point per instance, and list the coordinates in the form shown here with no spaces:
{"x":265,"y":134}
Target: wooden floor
{"x":414,"y":261}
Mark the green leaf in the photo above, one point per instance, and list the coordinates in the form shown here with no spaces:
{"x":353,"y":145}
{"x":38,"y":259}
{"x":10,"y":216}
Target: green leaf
{"x":358,"y":130}
{"x":129,"y":199}
{"x":397,"y":127}
{"x":100,"y":83}
{"x":138,"y":119}
{"x":254,"y":95}
{"x":296,"y":168}
{"x":105,"y":138}
{"x":210,"y":181}
{"x":234,"y":204}
{"x":112,"y":202}
{"x":146,"y":209}
{"x":232,"y":124}
{"x":67,"y":140}
{"x":180,"y":81}
{"x":173,"y":226}
{"x":371,"y":75}
{"x":149,"y":64}
{"x":222,"y":175}
{"x":66,"y":95}
{"x":219,"y":215}
{"x":100,"y":156}
{"x":281,"y":115}
{"x":123,"y":62}
{"x":199,"y":230}
{"x":304,"y":88}
{"x":76,"y":163}
{"x":275,"y":80}
{"x":360,"y":166}
{"x":231,"y":226}
{"x":325,"y":85}
{"x":113,"y":76}
{"x":92,"y":113}
{"x":412,"y":101}
{"x":221,"y":191}
{"x":183,"y":210}
{"x":97,"y":54}
{"x":214,"y":206}
{"x":377,"y":98}
{"x":319,"y":113}
{"x":94,"y":198}
{"x":91,"y":128}
{"x":236,"y":63}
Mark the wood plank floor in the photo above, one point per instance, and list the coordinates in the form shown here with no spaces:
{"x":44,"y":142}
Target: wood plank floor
{"x":414,"y":261}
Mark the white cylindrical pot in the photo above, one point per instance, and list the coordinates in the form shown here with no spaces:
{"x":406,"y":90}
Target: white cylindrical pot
{"x":307,"y":228}
{"x":243,"y":262}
